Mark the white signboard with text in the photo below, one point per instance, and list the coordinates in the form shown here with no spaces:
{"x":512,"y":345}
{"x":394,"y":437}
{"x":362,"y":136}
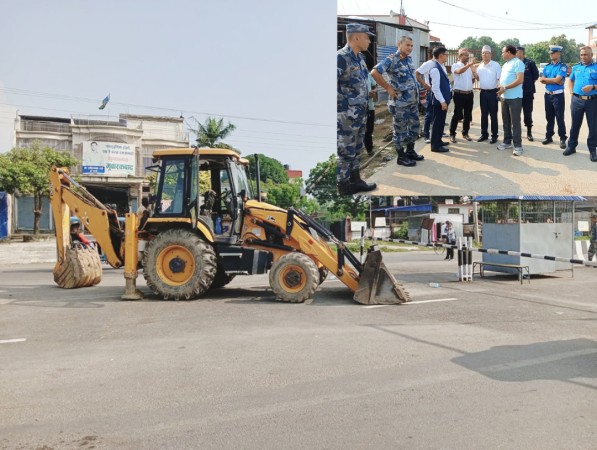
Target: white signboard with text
{"x":108,"y":158}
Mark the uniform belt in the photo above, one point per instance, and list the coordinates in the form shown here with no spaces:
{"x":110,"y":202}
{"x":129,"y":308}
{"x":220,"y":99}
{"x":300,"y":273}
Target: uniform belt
{"x":559,"y":91}
{"x":458,"y":91}
{"x":489,"y":90}
{"x":585,"y":97}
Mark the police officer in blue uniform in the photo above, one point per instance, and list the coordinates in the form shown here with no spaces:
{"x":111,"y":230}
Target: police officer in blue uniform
{"x":352,"y":109}
{"x":583,"y":87}
{"x":531,"y":74}
{"x":554,"y":76}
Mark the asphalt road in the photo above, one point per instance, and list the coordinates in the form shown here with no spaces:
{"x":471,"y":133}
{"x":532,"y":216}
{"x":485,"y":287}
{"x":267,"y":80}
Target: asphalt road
{"x":473,"y":168}
{"x":487,"y":364}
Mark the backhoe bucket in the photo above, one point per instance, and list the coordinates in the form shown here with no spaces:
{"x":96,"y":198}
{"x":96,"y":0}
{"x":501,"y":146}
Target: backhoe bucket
{"x":81,"y":267}
{"x":377,"y":286}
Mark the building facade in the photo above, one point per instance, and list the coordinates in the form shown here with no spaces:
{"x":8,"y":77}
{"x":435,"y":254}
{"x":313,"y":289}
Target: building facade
{"x":113,"y":153}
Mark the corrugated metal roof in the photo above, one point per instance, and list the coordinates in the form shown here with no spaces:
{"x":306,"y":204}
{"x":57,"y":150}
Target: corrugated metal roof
{"x":383,"y":51}
{"x":559,"y":198}
{"x":421,"y":208}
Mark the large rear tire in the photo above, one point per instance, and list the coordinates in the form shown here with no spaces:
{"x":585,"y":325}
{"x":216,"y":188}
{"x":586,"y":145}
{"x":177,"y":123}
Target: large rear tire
{"x":294,"y":278}
{"x":179,"y":265}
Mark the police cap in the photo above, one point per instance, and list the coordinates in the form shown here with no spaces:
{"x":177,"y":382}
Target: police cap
{"x":555,"y":48}
{"x":358,"y":28}
{"x":520,"y":48}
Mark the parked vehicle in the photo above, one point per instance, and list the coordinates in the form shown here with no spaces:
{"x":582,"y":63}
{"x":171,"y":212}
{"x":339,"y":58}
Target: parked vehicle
{"x":199,"y":238}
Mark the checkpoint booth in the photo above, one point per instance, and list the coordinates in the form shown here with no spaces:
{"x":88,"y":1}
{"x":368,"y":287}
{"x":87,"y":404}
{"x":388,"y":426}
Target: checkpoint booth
{"x":541,"y":225}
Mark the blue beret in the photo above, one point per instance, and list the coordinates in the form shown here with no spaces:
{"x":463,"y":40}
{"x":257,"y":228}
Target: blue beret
{"x":555,"y":48}
{"x":358,"y":28}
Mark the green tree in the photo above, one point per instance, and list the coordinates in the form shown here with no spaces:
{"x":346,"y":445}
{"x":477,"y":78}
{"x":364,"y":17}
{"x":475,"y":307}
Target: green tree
{"x":284,"y":195}
{"x":212,"y":131}
{"x":539,"y":51}
{"x":25,"y":171}
{"x":323,"y":186}
{"x":270,"y":169}
{"x":475,"y":45}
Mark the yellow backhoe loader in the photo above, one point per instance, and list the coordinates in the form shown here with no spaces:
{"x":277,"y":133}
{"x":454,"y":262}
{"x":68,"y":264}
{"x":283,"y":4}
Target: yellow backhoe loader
{"x":200,"y":235}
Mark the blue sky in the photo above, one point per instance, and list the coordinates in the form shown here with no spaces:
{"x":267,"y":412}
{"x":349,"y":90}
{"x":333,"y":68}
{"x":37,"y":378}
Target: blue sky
{"x":266,"y":66}
{"x":454,"y":20}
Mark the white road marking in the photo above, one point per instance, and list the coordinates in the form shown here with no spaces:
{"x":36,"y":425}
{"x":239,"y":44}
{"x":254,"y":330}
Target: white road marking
{"x":10,"y":341}
{"x":433,"y":301}
{"x":451,"y":299}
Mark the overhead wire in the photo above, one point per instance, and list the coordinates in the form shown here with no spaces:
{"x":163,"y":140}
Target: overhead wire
{"x":17,"y":91}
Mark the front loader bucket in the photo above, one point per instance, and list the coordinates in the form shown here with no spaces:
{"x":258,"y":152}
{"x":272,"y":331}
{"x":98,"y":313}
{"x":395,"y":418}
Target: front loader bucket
{"x":81,"y":267}
{"x":377,"y":286}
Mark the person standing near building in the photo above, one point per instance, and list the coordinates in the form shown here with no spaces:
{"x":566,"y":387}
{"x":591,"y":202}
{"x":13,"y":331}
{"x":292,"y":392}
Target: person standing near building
{"x":422,"y":74}
{"x":442,"y":95}
{"x":554,"y":76}
{"x":531,"y":74}
{"x":352,"y":109}
{"x":372,"y":85}
{"x":583,"y":87}
{"x":403,"y":100}
{"x":511,"y":91}
{"x":593,"y":236}
{"x":450,"y":237}
{"x":464,"y":73}
{"x":489,"y":73}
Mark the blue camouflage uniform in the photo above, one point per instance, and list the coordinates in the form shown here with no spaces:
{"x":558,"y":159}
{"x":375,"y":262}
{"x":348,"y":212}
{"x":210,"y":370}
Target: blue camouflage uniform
{"x":554,"y":99}
{"x":353,"y":96}
{"x":584,"y":103}
{"x":405,"y":107}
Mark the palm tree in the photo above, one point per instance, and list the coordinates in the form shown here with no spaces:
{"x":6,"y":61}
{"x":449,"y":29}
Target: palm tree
{"x":212,"y":131}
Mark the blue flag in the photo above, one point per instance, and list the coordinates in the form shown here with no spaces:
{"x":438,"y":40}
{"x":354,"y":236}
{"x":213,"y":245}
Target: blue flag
{"x":105,"y":102}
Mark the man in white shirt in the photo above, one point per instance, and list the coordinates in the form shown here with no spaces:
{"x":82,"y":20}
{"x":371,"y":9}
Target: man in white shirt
{"x":442,"y":95}
{"x":511,"y":91}
{"x":464,"y":73}
{"x":422,"y":74}
{"x":489,"y":73}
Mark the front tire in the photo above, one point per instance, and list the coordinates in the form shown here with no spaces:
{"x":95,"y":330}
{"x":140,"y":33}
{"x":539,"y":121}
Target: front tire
{"x":294,"y":278}
{"x":179,"y":265}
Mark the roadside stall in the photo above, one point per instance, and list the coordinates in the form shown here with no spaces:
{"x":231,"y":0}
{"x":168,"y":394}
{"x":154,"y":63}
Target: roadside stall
{"x":541,"y":225}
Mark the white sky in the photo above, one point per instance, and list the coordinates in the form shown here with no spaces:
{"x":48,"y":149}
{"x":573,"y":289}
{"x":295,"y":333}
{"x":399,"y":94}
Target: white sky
{"x":528,"y":20}
{"x":269,"y":60}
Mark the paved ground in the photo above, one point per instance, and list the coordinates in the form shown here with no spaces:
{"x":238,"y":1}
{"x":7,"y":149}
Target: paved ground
{"x":487,"y":364}
{"x":472,"y":168}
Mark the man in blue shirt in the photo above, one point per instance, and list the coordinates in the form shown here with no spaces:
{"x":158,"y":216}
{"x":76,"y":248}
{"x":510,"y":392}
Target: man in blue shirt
{"x":352,"y":109}
{"x":583,"y":87}
{"x":510,"y":89}
{"x":554,"y":76}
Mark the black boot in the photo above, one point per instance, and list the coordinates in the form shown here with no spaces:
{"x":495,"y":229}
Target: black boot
{"x":359,"y":185}
{"x":411,"y":154}
{"x":404,"y":160}
{"x":529,"y":134}
{"x":344,"y":188}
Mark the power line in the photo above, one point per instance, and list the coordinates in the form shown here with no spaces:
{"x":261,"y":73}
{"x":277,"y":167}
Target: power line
{"x":38,"y":94}
{"x":543,"y":26}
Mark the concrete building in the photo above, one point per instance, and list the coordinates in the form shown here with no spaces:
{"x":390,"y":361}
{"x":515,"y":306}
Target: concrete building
{"x":113,"y":151}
